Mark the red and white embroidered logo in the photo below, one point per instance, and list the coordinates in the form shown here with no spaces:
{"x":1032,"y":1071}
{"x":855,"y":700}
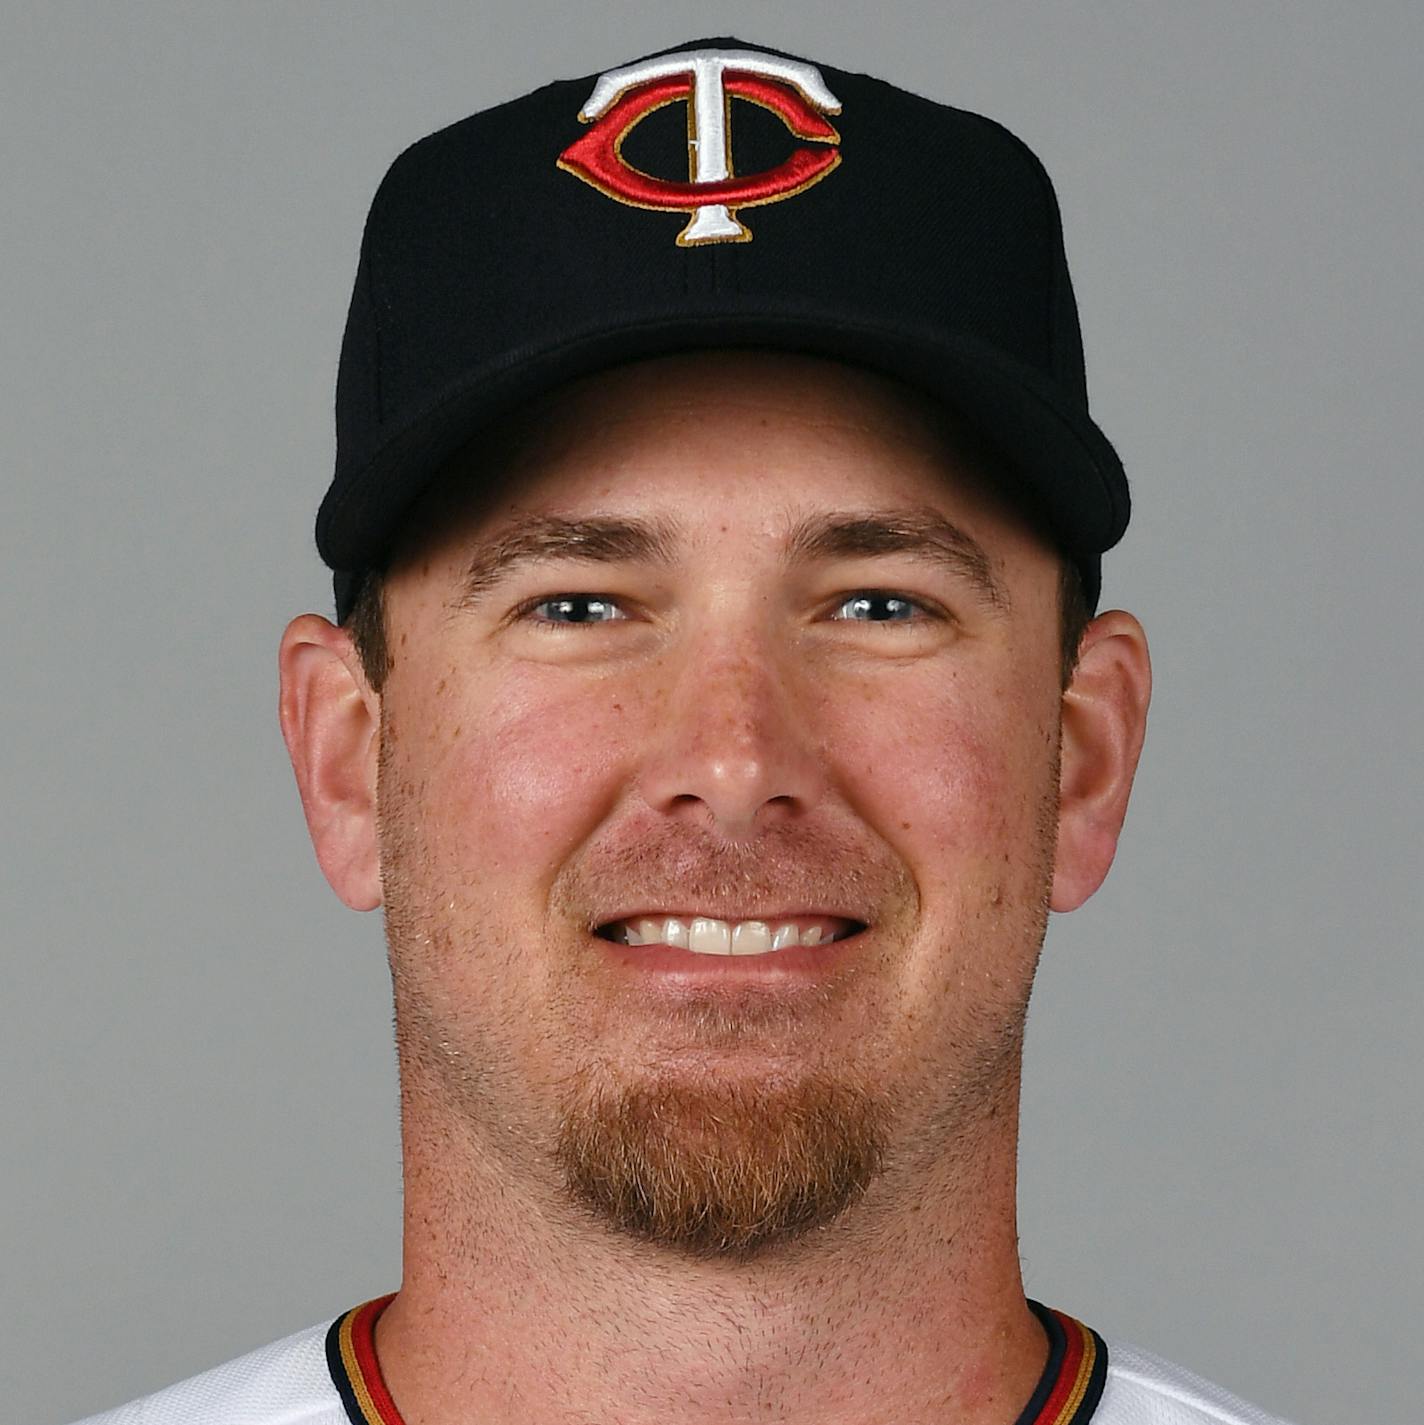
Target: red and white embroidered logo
{"x":707,"y":81}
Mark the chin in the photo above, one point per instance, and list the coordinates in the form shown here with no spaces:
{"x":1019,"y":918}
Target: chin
{"x":720,"y":1167}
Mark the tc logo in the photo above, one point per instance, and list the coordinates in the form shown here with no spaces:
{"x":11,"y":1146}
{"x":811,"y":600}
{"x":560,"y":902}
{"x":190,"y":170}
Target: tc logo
{"x":706,"y":80}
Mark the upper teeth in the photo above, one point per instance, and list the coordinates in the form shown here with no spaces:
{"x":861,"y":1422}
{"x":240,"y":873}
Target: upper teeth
{"x":705,"y":936}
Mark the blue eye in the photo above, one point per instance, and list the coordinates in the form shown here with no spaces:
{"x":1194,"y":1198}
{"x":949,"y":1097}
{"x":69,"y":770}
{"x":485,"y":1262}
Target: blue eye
{"x":868,"y":601}
{"x":873,"y":606}
{"x":573,"y":610}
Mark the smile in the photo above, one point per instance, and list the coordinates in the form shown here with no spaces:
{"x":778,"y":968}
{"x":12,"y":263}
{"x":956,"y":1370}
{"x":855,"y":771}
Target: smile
{"x":706,"y":935}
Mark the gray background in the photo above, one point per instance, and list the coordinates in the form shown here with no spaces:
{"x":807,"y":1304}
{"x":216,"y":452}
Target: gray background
{"x":198,"y":1115}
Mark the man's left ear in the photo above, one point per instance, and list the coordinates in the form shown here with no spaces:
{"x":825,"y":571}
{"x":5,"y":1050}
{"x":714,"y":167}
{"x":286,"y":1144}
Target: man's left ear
{"x":1104,"y":722}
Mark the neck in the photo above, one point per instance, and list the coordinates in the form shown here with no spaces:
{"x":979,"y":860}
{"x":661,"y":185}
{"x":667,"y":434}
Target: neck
{"x":514,"y":1308}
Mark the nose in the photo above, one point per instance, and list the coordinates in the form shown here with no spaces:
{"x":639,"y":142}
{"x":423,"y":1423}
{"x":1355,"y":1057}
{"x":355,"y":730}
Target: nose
{"x":735,"y":746}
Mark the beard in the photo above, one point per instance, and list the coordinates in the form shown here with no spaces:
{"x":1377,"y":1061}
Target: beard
{"x":719,"y":1170}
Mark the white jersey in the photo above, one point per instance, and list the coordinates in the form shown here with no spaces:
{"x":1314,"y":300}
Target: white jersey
{"x":328,"y":1375}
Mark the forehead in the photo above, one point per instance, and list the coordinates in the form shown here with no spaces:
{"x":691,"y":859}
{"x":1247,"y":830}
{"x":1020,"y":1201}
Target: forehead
{"x":730,"y":436}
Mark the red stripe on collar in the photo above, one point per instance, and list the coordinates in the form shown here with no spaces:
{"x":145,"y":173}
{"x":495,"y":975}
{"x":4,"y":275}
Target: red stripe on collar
{"x":1078,"y":1384}
{"x":351,"y":1357}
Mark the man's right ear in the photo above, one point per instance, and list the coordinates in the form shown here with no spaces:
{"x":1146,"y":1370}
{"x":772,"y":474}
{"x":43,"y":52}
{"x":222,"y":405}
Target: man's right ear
{"x":331,"y":721}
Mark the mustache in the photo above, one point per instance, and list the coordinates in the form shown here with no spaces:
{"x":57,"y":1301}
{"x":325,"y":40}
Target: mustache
{"x":663,"y":864}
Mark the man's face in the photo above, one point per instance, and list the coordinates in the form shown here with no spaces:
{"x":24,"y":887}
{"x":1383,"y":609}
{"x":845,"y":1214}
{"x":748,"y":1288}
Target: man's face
{"x":741,"y":728}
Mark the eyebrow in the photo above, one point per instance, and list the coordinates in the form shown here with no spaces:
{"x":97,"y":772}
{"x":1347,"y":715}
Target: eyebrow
{"x":921,"y":533}
{"x":539,"y":539}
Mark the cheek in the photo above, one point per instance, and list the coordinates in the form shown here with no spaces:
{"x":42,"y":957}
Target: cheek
{"x":954,"y":771}
{"x":513,"y":781}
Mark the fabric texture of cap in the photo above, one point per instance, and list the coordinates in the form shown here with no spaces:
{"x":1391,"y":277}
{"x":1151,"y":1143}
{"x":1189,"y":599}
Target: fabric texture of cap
{"x":823,"y":212}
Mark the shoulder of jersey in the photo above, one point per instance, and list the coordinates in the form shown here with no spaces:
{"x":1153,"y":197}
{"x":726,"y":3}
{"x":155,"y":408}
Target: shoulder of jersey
{"x":1143,"y":1389}
{"x":285,"y":1383}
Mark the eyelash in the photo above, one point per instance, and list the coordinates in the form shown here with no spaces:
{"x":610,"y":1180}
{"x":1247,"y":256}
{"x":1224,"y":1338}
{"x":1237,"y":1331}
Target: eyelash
{"x":549,"y":625}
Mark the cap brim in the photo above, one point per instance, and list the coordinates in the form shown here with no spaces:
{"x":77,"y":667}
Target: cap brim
{"x":1062,"y":457}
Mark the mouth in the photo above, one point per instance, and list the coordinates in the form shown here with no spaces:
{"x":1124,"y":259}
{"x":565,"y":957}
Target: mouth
{"x":711,"y":935}
{"x":688,"y":954}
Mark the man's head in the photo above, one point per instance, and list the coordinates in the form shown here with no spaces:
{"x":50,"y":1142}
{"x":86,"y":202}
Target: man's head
{"x":745,"y":635}
{"x":723,"y":581}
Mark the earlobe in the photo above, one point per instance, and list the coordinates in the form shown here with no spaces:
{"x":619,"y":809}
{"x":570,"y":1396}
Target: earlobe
{"x":1104,"y":723}
{"x":331,"y":723}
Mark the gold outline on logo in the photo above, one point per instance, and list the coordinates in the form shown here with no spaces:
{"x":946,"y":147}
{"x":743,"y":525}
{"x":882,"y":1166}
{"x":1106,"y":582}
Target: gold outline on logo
{"x":745,"y":233}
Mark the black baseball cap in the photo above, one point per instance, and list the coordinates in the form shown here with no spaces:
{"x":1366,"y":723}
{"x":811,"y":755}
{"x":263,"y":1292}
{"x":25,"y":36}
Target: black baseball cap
{"x":823,"y":212}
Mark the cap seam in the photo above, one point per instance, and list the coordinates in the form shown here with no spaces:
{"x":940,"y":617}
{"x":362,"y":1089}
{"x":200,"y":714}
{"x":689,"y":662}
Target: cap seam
{"x":376,"y":332}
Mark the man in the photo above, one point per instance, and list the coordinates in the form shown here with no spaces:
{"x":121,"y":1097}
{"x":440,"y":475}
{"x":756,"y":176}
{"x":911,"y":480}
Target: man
{"x":717,"y":710}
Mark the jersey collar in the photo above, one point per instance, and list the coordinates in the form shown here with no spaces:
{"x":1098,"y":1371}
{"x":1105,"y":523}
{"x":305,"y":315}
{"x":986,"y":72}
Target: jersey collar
{"x":1066,"y":1394}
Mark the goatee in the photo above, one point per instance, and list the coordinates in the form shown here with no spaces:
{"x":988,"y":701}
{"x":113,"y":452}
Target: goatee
{"x":720,"y":1169}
